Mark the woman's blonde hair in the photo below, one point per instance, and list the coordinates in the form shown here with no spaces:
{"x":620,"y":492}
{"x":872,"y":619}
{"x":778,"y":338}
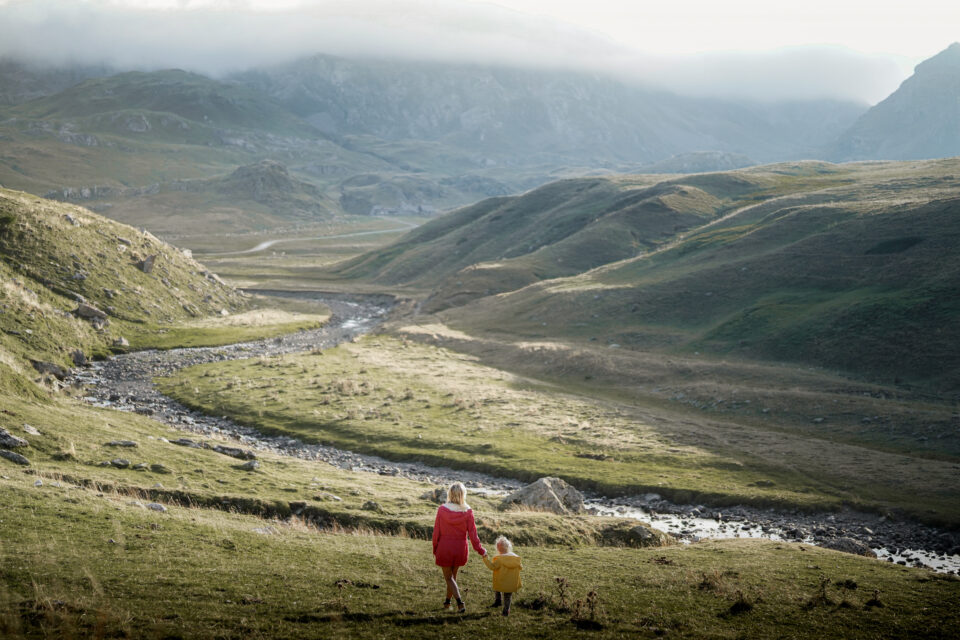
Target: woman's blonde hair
{"x":503,"y":540}
{"x":457,"y":494}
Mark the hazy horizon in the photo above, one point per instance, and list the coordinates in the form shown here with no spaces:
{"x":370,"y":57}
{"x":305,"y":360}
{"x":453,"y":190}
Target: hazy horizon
{"x":214,"y":37}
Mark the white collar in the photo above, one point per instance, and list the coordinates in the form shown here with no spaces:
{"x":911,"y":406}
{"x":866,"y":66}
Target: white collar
{"x":453,"y":506}
{"x":510,"y":553}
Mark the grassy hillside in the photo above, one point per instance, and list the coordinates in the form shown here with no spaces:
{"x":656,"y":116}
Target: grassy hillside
{"x":860,"y":277}
{"x":54,"y":255}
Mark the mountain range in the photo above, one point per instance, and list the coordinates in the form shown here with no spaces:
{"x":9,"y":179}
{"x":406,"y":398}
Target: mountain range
{"x":406,"y":137}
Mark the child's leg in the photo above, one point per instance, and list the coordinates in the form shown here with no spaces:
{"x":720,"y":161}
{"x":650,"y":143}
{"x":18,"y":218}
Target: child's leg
{"x":507,"y":597}
{"x":496,"y":599}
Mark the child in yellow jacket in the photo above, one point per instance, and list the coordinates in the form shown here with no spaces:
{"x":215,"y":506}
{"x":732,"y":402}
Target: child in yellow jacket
{"x":506,"y":569}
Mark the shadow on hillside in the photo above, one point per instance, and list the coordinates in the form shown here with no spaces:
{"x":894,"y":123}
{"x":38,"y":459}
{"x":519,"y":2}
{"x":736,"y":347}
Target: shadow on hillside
{"x":398,"y":618}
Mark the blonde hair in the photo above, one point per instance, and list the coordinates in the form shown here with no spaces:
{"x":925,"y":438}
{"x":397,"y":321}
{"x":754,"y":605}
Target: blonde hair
{"x":503,"y":540}
{"x":457,"y":494}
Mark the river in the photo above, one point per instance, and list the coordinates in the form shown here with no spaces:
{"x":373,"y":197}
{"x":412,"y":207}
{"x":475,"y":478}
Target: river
{"x":125,"y":383}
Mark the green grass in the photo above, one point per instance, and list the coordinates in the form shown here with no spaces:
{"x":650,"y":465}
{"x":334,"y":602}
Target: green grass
{"x":76,"y":563}
{"x":405,"y":401}
{"x":228,"y":558}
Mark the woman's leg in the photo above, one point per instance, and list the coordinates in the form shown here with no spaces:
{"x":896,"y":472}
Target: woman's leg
{"x":450,"y":576}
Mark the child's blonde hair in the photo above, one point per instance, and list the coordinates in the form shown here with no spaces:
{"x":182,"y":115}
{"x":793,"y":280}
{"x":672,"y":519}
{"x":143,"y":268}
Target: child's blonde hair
{"x":503,"y":540}
{"x":457,"y":494}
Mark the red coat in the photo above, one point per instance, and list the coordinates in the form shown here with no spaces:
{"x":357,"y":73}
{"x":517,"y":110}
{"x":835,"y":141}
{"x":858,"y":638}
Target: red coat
{"x":450,"y":531}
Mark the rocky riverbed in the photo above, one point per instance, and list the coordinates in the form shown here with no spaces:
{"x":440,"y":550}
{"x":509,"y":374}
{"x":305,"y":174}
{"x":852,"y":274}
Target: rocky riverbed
{"x":125,"y":383}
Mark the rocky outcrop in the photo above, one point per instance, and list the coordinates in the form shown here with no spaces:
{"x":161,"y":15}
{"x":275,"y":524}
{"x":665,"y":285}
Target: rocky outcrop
{"x":849,"y":545}
{"x":235,"y":452}
{"x":547,"y":494}
{"x":10,"y":441}
{"x":14,"y":457}
{"x":55,"y":370}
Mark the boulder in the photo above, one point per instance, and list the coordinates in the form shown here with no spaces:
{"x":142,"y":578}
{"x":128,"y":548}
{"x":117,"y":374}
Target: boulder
{"x":370,"y":505}
{"x":187,"y":442}
{"x":89,"y":312}
{"x":235,"y":452}
{"x":121,"y":443}
{"x":10,"y":441}
{"x":252,"y":465}
{"x":55,"y":370}
{"x":30,"y":429}
{"x":121,"y":342}
{"x":13,"y":457}
{"x":146,"y":265}
{"x":156,"y":506}
{"x":120,"y":463}
{"x":547,"y":494}
{"x":78,"y":357}
{"x":325,"y":496}
{"x":848,"y":545}
{"x":438,"y":495}
{"x":160,"y":468}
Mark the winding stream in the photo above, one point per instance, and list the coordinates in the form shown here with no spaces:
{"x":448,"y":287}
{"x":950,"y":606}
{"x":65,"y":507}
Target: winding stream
{"x":125,"y":383}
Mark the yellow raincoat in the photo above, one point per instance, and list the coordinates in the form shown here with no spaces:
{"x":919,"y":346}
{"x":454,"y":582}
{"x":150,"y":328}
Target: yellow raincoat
{"x":506,"y":572}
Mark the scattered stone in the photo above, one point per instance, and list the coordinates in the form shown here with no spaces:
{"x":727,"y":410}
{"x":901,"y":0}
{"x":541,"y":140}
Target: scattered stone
{"x":14,"y":457}
{"x":120,"y":463}
{"x":141,"y":466}
{"x":252,"y":465}
{"x":547,"y":494}
{"x":187,"y":442}
{"x":78,"y":357}
{"x":235,"y":452}
{"x":121,"y":342}
{"x":90,"y":312}
{"x":121,"y":443}
{"x":33,"y":431}
{"x":38,"y":483}
{"x":438,"y":495}
{"x":267,"y":531}
{"x":156,"y":506}
{"x":324,"y":496}
{"x":10,"y":441}
{"x":370,"y":505}
{"x":848,"y":545}
{"x":138,"y":504}
{"x":160,"y":468}
{"x":55,"y":370}
{"x":146,"y":265}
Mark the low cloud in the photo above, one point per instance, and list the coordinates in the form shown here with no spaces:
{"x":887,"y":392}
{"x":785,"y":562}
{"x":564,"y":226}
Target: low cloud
{"x":219,"y":37}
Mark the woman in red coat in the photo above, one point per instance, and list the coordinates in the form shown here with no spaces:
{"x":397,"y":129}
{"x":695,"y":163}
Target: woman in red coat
{"x":454,"y":523}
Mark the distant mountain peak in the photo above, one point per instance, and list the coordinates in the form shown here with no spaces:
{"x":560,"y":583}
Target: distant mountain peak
{"x":946,"y":60}
{"x":920,"y":120}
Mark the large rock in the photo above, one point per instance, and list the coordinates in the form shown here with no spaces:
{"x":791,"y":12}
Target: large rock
{"x":89,"y":312}
{"x":146,"y":265}
{"x":235,"y":452}
{"x":55,"y":370}
{"x":849,"y":545}
{"x":548,"y":494}
{"x":438,"y":495}
{"x":13,"y":457}
{"x":10,"y":441}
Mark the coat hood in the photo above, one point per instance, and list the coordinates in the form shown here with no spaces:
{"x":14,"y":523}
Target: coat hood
{"x":510,"y":561}
{"x":457,"y":519}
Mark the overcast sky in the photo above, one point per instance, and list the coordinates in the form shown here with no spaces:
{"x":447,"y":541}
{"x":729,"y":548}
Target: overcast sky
{"x":764,"y":49}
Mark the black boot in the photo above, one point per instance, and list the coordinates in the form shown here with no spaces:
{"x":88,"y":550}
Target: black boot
{"x":496,"y":600}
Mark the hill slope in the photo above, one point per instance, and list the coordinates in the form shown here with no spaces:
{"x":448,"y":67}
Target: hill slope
{"x":73,"y":280}
{"x":919,"y":120}
{"x":861,"y":277}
